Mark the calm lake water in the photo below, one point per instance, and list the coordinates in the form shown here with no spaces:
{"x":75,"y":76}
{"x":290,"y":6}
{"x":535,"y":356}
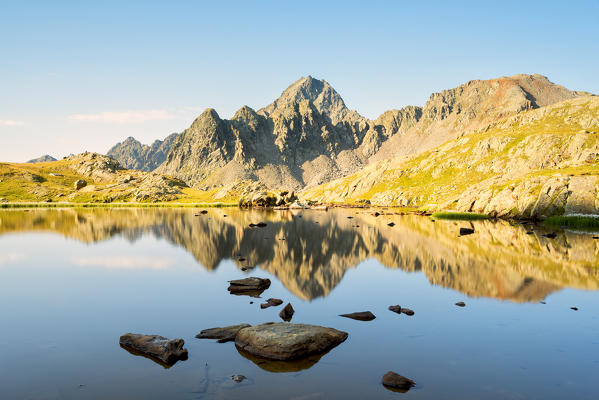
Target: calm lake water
{"x":72,"y":281}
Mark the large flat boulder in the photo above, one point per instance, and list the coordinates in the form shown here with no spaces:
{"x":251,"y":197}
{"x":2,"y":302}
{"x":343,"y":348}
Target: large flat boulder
{"x":167,"y":351}
{"x":284,"y":341}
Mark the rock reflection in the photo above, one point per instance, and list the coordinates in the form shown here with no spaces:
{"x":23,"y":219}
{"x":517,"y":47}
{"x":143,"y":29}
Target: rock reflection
{"x":281,"y":366}
{"x":311,"y":254}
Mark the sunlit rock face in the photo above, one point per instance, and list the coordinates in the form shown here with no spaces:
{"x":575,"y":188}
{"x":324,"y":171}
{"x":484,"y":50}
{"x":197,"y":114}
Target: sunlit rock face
{"x":310,"y":251}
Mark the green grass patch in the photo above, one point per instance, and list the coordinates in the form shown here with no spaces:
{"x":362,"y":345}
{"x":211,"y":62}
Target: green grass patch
{"x":573,"y":221}
{"x":462,"y":216}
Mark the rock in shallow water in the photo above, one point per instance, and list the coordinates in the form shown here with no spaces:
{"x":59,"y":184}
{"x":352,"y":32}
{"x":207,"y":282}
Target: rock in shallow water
{"x":167,"y":351}
{"x":401,"y":310}
{"x":224,"y":334}
{"x":287,"y":313}
{"x":397,"y":382}
{"x":283,"y":341}
{"x":360,"y":316}
{"x":248,"y":285}
{"x":271,"y":303}
{"x":460,"y":304}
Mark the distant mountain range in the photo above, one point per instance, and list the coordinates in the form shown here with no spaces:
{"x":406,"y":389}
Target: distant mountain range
{"x":43,"y":158}
{"x":308,"y":136}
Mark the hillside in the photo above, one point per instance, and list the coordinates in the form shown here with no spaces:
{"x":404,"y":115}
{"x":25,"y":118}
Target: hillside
{"x":533,"y":164}
{"x":105,"y":182}
{"x":131,"y":154}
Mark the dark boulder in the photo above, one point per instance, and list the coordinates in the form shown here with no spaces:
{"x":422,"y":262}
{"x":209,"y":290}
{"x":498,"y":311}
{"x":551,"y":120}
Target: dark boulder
{"x":287,"y":313}
{"x":394,"y":381}
{"x":360,"y":316}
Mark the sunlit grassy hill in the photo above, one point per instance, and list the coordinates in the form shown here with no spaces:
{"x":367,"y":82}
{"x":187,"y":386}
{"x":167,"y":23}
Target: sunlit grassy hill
{"x":540,"y":162}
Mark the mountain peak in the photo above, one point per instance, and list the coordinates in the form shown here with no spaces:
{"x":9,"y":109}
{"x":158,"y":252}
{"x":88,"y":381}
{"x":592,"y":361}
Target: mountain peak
{"x":326,"y":99}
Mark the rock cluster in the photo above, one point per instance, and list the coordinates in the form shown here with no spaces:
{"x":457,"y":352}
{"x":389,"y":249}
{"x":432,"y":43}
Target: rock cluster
{"x":267,"y":199}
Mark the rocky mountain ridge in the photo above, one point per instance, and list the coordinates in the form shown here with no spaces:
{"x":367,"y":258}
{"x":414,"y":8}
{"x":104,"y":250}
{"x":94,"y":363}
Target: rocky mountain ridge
{"x":308,"y":136}
{"x":131,"y":154}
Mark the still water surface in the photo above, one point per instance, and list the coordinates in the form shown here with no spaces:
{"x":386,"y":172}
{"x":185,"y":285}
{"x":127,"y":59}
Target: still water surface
{"x":72,"y":281}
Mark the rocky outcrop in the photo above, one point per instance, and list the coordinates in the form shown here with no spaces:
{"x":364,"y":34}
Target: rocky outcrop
{"x":131,"y":154}
{"x":167,"y":351}
{"x":283,"y":341}
{"x":267,"y":199}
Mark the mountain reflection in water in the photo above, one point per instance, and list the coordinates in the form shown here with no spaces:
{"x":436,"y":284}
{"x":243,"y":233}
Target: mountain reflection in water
{"x":310,"y":251}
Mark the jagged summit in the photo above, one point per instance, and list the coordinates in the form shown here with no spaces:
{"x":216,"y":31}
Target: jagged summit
{"x":326,"y":99}
{"x":131,"y":154}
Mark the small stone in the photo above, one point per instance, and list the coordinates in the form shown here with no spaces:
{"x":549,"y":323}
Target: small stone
{"x":398,"y":382}
{"x":375,"y":214}
{"x":574,"y":308}
{"x":238,"y":378}
{"x":391,"y":224}
{"x":460,"y":304}
{"x":395,"y":309}
{"x":407,"y":311}
{"x":529,"y":232}
{"x":360,"y":316}
{"x":466,"y":231}
{"x":261,"y":224}
{"x":224,"y":334}
{"x":287,"y":313}
{"x":204,"y":212}
{"x":551,"y":235}
{"x":271,"y":303}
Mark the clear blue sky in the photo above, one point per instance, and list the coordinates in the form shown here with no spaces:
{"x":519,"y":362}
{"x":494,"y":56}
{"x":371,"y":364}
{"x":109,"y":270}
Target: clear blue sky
{"x":78,"y":76}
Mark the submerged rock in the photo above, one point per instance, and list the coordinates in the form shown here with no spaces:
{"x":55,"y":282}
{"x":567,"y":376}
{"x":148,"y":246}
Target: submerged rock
{"x":167,"y":351}
{"x":282,"y":341}
{"x":460,"y":304}
{"x":287,"y":313}
{"x":466,"y":231}
{"x":395,"y":381}
{"x":238,"y":378}
{"x":224,"y":334}
{"x":360,"y":316}
{"x":248,"y":285}
{"x":271,"y":303}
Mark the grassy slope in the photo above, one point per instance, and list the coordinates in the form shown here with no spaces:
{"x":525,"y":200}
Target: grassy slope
{"x":19,"y":183}
{"x":419,"y":178}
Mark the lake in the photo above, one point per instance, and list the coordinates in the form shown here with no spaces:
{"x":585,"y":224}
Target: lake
{"x":73,"y":280}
